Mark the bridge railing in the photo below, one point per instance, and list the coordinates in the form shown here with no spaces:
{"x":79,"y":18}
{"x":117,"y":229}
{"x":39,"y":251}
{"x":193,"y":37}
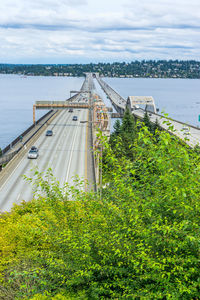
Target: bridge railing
{"x":15,"y":141}
{"x":118,"y":101}
{"x":5,"y":158}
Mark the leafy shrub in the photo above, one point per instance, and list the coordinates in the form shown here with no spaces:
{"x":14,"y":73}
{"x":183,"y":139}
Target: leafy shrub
{"x":139,"y":241}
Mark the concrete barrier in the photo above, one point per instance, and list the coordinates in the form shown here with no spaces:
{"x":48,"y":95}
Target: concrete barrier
{"x":15,"y":141}
{"x":6,"y":158}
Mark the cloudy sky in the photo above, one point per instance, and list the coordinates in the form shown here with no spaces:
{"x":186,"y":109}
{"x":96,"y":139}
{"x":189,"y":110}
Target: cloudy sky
{"x":82,"y":31}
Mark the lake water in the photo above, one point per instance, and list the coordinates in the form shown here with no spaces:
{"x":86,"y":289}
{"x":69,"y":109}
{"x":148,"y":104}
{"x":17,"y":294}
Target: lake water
{"x":180,"y":98}
{"x":18,"y":94}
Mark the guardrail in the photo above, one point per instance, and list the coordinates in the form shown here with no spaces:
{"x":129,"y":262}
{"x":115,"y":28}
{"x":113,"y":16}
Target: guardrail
{"x":24,"y":133}
{"x":105,"y":88}
{"x":7,"y":157}
{"x":4,"y":174}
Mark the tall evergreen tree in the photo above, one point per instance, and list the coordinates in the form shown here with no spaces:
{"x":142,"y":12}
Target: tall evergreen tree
{"x":147,"y":121}
{"x":128,"y":132}
{"x":128,"y":123}
{"x":116,"y":133}
{"x":117,"y":127}
{"x":156,"y":126}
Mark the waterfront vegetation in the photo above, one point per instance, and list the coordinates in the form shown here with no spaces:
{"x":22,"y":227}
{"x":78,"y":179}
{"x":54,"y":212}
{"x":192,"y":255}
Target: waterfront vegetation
{"x":139,"y":240}
{"x":144,"y":68}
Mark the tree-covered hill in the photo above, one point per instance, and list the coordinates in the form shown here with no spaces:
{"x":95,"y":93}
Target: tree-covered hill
{"x":144,"y":68}
{"x":140,"y":240}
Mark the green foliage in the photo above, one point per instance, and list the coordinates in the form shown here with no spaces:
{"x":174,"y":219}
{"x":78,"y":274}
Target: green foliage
{"x":128,"y":124}
{"x":158,"y":191}
{"x":140,"y":241}
{"x":147,"y":122}
{"x":117,"y":127}
{"x":125,"y":132}
{"x":117,"y":131}
{"x":156,"y":127}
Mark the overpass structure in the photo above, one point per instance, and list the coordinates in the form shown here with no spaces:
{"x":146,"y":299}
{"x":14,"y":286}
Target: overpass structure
{"x":57,"y":105}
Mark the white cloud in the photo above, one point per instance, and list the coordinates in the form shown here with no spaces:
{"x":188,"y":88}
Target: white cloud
{"x":84,"y":31}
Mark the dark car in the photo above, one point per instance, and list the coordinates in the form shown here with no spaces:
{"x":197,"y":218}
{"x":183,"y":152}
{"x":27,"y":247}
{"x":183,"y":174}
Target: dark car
{"x":75,"y":118}
{"x":71,"y":110}
{"x":49,"y":133}
{"x":34,"y":148}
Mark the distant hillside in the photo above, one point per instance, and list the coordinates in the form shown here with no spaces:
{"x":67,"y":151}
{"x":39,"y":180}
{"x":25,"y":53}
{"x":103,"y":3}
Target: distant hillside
{"x":144,"y":68}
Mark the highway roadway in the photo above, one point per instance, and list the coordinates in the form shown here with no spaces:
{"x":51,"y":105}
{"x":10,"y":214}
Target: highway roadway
{"x":65,"y":153}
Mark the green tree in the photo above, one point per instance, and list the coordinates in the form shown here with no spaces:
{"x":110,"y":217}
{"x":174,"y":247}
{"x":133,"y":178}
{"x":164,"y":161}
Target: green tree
{"x":147,"y":121}
{"x":116,"y":132}
{"x":117,"y":127}
{"x":156,"y":129}
{"x":128,"y":132}
{"x":139,"y":241}
{"x":128,"y":124}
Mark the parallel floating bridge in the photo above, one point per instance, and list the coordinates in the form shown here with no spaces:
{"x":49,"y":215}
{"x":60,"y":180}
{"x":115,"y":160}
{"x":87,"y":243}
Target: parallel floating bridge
{"x":132,"y":102}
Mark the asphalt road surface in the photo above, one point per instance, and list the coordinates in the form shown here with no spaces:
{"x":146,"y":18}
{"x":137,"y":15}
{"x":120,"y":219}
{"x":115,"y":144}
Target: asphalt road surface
{"x":65,"y":153}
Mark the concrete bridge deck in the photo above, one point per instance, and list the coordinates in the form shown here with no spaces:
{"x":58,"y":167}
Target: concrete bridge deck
{"x":192,"y":137}
{"x":68,"y":153}
{"x":117,"y":101}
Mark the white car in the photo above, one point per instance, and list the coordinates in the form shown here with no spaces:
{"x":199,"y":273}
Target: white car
{"x":33,"y":153}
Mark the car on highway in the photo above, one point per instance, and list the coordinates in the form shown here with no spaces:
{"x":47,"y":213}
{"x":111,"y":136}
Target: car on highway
{"x":75,"y":118}
{"x":49,"y":133}
{"x":70,"y":110}
{"x":33,"y":152}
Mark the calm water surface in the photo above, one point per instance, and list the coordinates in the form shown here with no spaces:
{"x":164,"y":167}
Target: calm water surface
{"x":180,"y":98}
{"x":18,"y":94}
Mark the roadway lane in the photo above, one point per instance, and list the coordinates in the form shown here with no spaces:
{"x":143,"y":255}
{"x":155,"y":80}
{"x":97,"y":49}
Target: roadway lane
{"x":64,"y":152}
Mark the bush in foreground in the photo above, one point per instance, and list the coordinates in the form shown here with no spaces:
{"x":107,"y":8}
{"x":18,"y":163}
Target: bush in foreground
{"x":140,"y":241}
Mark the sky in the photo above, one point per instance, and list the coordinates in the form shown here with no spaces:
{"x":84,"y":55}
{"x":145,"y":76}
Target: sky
{"x":84,"y":31}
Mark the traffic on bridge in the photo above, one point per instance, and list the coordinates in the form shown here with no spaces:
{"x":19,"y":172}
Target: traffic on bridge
{"x":66,"y":140}
{"x":62,"y":144}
